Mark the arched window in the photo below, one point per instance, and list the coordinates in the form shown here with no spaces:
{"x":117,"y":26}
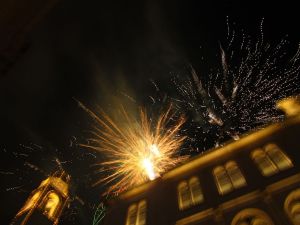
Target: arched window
{"x":271,"y":159}
{"x":131,"y":215}
{"x":136,"y":214}
{"x":51,"y":204}
{"x":235,"y":174}
{"x":141,"y":216}
{"x":189,"y":193}
{"x":252,"y":216}
{"x":195,"y":189}
{"x":292,"y":206}
{"x":229,"y":177}
{"x":222,"y":179}
{"x":184,"y":196}
{"x":264,"y":163}
{"x":278,"y":157}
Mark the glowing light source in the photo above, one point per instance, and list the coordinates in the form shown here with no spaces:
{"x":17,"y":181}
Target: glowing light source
{"x":140,"y":149}
{"x":148,"y":166}
{"x":154,"y":150}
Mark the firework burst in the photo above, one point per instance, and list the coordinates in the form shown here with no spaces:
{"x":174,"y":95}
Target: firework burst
{"x":241,"y":94}
{"x":136,"y":151}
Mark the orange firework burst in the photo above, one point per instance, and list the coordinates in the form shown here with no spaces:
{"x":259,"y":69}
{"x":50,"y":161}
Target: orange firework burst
{"x":137,"y":151}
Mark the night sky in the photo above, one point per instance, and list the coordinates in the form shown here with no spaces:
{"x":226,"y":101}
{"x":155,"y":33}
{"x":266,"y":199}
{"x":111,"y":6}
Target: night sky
{"x":98,"y":52}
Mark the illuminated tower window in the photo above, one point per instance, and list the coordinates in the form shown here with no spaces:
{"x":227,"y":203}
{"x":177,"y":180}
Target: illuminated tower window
{"x":189,"y":193}
{"x":271,"y":159}
{"x":292,"y":206}
{"x":136,"y":214}
{"x":51,"y":204}
{"x":47,"y":201}
{"x":252,"y":216}
{"x":228,"y":177}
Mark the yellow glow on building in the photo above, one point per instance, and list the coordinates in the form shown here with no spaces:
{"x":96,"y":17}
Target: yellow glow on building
{"x":290,"y":106}
{"x":49,"y":199}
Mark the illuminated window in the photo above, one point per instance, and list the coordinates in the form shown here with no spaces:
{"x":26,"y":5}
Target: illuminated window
{"x":131,"y":215}
{"x":222,"y":179}
{"x":278,"y":157}
{"x":136,"y":214}
{"x":271,"y":159}
{"x":235,"y":174}
{"x":141,"y":215}
{"x":229,"y":177}
{"x":252,"y":216}
{"x":184,"y":196}
{"x":292,"y":206}
{"x":196,"y":192}
{"x":51,"y":205}
{"x":189,"y":193}
{"x":264,"y":163}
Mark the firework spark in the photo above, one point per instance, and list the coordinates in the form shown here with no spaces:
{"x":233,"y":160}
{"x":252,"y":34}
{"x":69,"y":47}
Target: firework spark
{"x":137,"y":151}
{"x":241,"y":94}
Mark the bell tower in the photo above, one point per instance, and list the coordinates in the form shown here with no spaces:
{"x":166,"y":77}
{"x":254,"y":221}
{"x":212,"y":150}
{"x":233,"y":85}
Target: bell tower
{"x":46,"y":203}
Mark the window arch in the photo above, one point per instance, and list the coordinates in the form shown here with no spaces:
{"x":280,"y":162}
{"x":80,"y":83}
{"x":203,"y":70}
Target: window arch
{"x":51,"y":204}
{"x":184,"y":197}
{"x":271,"y":159}
{"x":264,"y":163}
{"x":228,"y":177}
{"x":278,"y":157}
{"x":222,"y":179}
{"x":252,"y":216}
{"x":141,"y":215}
{"x":195,"y":189}
{"x":292,"y":206}
{"x":136,"y":214}
{"x":131,"y":215}
{"x":235,"y":174}
{"x":189,"y":193}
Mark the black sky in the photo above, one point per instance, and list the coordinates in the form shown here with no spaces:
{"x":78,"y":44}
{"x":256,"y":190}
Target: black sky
{"x":94,"y":51}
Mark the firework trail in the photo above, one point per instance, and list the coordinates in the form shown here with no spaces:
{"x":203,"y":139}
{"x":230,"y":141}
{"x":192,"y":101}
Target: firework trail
{"x":99,"y":214}
{"x":136,"y":151}
{"x":240,"y":95}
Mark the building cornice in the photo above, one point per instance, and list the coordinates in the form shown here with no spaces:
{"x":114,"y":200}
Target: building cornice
{"x":217,"y":153}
